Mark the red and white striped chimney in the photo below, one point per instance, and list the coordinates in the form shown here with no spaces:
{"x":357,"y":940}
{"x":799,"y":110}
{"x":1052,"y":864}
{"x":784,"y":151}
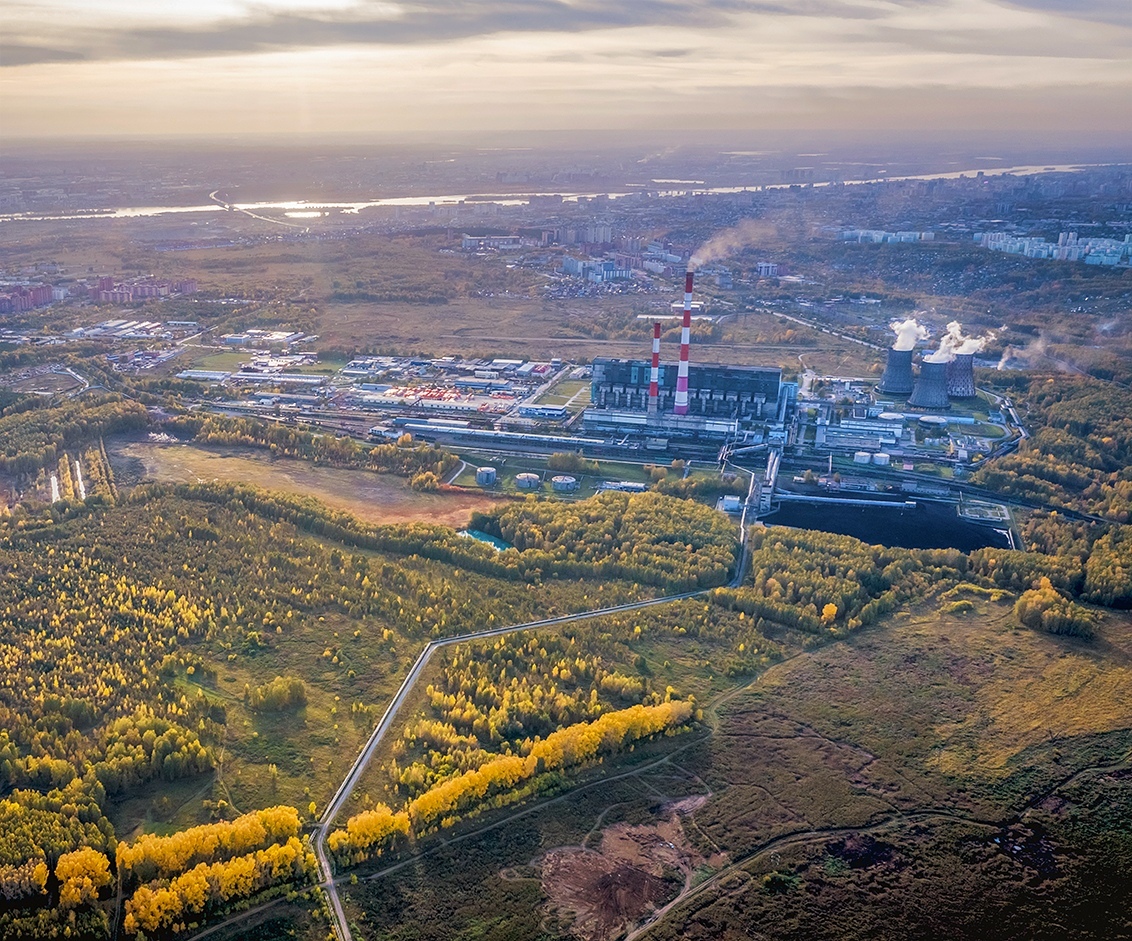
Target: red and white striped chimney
{"x":685,"y":339}
{"x":654,"y":378}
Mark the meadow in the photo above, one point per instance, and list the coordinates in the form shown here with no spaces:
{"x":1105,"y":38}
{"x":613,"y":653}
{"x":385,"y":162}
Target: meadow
{"x":371,"y":497}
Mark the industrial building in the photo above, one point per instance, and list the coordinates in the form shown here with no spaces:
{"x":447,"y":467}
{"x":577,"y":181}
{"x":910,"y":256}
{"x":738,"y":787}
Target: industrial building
{"x":718,"y":391}
{"x":684,"y":400}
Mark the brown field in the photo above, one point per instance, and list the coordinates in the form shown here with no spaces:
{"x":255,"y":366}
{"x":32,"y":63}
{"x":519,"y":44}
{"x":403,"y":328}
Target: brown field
{"x":947,"y":759}
{"x":375,"y":498}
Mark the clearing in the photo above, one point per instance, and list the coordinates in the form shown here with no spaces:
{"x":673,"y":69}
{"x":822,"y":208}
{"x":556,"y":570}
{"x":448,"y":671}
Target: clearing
{"x":372,"y":497}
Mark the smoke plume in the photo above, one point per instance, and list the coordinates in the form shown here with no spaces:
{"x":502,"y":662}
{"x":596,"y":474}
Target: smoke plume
{"x":729,"y":241}
{"x":1031,"y":355}
{"x":907,"y":333}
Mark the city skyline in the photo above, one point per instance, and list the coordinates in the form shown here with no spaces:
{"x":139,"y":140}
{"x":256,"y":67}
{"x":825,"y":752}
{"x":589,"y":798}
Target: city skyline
{"x":332,"y":66}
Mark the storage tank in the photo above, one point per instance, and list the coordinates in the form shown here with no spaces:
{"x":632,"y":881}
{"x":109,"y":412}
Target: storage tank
{"x":881,"y":459}
{"x":563,"y":483}
{"x":862,"y":457}
{"x":485,"y":476}
{"x":528,"y":481}
{"x":931,"y":388}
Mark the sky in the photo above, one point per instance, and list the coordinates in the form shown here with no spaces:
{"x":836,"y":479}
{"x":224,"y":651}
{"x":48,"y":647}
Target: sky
{"x":72,"y":68}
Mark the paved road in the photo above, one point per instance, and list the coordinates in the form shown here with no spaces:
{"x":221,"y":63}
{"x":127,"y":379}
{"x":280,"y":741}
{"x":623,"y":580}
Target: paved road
{"x":346,"y":788}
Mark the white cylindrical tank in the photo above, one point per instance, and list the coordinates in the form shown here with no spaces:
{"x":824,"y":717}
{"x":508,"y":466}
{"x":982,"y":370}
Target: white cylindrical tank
{"x":881,"y":459}
{"x":862,"y":457}
{"x":564,"y":483}
{"x":485,"y":476}
{"x":528,"y":481}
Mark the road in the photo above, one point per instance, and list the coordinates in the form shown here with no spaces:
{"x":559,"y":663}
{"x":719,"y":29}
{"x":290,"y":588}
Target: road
{"x":354,"y":775}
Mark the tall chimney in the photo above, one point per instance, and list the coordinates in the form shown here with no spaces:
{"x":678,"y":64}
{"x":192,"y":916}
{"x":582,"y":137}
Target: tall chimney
{"x":654,"y":378}
{"x":685,"y":339}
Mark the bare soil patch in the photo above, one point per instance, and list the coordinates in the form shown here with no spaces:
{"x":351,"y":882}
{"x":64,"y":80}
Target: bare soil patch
{"x":635,"y":870}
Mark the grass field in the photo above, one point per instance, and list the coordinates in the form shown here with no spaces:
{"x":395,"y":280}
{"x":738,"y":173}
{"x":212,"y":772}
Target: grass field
{"x":573,"y":393}
{"x":375,"y":498}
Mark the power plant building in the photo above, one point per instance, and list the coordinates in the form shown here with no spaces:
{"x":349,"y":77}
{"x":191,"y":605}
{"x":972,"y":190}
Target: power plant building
{"x":717,"y":391}
{"x":685,"y":399}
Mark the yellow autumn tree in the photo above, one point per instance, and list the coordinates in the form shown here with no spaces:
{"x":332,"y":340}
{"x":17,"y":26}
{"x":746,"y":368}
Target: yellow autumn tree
{"x":81,"y":875}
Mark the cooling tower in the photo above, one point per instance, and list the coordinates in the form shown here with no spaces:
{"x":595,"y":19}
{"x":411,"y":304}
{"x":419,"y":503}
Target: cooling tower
{"x":930,"y":390}
{"x":897,"y":378}
{"x":961,"y":376}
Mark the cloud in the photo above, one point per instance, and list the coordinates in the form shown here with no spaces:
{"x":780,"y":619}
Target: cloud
{"x":1114,"y":12}
{"x":416,"y":22}
{"x":12,"y":54}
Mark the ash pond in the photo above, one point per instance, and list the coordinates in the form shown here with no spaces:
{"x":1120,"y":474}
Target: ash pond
{"x":926,"y":525}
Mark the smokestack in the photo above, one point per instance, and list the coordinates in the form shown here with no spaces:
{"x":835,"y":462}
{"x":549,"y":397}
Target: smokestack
{"x":897,"y":378}
{"x":931,"y":388}
{"x":654,"y":378}
{"x":961,"y":376}
{"x":685,"y":340}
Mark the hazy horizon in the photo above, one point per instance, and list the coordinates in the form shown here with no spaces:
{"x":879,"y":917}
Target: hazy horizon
{"x":428,"y":69}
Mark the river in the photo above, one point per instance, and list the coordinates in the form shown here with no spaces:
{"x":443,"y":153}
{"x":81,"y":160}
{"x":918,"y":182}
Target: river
{"x":513,"y":199}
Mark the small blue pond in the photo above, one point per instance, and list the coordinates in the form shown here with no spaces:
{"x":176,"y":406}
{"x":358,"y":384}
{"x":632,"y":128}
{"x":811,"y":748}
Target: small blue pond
{"x":486,"y":537}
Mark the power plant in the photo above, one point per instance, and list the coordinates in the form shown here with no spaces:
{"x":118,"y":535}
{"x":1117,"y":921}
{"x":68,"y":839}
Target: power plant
{"x":683,"y":400}
{"x":930,"y":390}
{"x":897,"y":378}
{"x":961,"y":376}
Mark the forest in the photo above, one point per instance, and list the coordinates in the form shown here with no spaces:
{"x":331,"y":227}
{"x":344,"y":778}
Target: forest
{"x":120,"y":618}
{"x":1080,"y":454}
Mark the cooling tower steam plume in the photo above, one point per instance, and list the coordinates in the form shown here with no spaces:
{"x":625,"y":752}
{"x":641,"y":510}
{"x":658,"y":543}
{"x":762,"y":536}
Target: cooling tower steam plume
{"x":729,"y":241}
{"x":907,"y":333}
{"x":942,"y":355}
{"x":958,"y":344}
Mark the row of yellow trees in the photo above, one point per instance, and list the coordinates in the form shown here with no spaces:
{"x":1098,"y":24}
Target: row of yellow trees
{"x":152,"y":856}
{"x":447,"y":802}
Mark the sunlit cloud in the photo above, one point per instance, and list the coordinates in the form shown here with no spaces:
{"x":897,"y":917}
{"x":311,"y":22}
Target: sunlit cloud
{"x":304,"y":65}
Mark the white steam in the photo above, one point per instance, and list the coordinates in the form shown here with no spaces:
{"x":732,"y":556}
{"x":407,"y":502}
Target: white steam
{"x":729,"y":241}
{"x":955,"y":343}
{"x":907,"y":333}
